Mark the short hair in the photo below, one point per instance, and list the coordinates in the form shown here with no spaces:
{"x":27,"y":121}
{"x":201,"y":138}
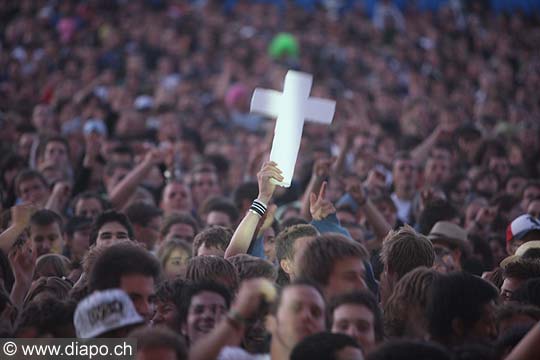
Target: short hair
{"x":286,"y":238}
{"x":324,"y":345}
{"x":274,"y":306}
{"x":245,"y":191}
{"x":291,"y":221}
{"x":171,"y":291}
{"x":405,"y":249}
{"x":117,"y":260}
{"x":27,"y":175}
{"x":413,"y":289}
{"x":216,"y":236}
{"x":52,"y":265}
{"x":45,"y":217}
{"x":211,"y":268}
{"x":85,"y":195}
{"x":221,"y":204}
{"x":40,"y":151}
{"x":178,"y":218}
{"x":409,"y":350}
{"x":363,"y":298}
{"x":197,"y":287}
{"x":249,"y":267}
{"x":48,"y":316}
{"x":48,"y":287}
{"x":77,"y":223}
{"x":167,"y":247}
{"x":160,"y":337}
{"x":528,"y":293}
{"x":141,"y":213}
{"x":319,"y":258}
{"x":522,"y":269}
{"x":435,"y":211}
{"x":110,"y":216}
{"x":457,"y":295}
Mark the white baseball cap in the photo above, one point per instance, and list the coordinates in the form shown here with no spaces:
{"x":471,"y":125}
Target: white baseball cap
{"x":103,"y":311}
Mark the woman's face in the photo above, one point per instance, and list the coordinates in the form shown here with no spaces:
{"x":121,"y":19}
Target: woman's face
{"x":176,"y":263}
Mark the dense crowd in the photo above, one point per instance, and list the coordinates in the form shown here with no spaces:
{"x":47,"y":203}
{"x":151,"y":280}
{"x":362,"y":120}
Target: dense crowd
{"x":139,"y":200}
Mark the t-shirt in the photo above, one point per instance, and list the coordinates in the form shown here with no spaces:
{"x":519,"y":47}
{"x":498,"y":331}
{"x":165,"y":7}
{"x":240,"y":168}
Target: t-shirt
{"x":236,"y":353}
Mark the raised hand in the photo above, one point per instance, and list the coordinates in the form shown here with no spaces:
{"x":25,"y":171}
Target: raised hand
{"x":268,"y":172}
{"x":23,"y":263}
{"x":319,"y":207}
{"x":21,"y":214}
{"x":253,"y":293}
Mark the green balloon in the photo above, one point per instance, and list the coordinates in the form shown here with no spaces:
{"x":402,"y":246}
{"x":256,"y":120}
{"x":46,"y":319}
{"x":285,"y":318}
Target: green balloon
{"x":284,"y":45}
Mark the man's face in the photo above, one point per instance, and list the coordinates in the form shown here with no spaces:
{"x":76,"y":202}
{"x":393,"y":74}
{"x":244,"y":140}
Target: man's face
{"x":509,"y":286}
{"x":56,"y":153}
{"x":80,"y":243}
{"x":218,"y":218}
{"x":204,"y":185}
{"x":176,"y":196}
{"x":141,"y":290}
{"x":530,"y":193}
{"x":110,"y":233}
{"x":300,"y":314}
{"x":437,"y":171}
{"x":46,"y":239}
{"x":181,"y":231}
{"x":205,"y":311}
{"x":149,"y":234}
{"x":33,"y":191}
{"x":347,"y":275}
{"x":89,"y":208}
{"x":358,"y":322}
{"x":404,"y":173}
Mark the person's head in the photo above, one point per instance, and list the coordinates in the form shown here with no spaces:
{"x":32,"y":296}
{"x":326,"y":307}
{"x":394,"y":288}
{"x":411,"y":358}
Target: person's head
{"x":88,"y":204}
{"x":106,"y":314}
{"x":53,"y":150}
{"x":111,"y":227}
{"x":47,"y":318}
{"x":516,"y":315}
{"x":129,"y":267}
{"x":174,"y":255}
{"x":77,"y":237}
{"x":290,"y":243}
{"x":335,"y":263}
{"x":244,"y":194}
{"x":219,"y":212}
{"x":357,"y":314}
{"x":534,"y":208}
{"x":461,"y":309}
{"x":31,"y":187}
{"x":212,"y":268}
{"x":250,"y":267}
{"x":299,"y":311}
{"x":52,"y":265}
{"x":204,"y":183}
{"x":159,"y":343}
{"x":43,"y":118}
{"x":402,"y":251}
{"x":522,"y":229}
{"x":404,"y":312}
{"x":452,"y":237}
{"x":435,"y":211}
{"x":516,"y":273}
{"x":48,"y":287}
{"x":531,"y":191}
{"x":404,"y":173}
{"x":410,"y":350}
{"x":437,"y":171}
{"x":169,"y":296}
{"x":203,"y":306}
{"x":179,"y":226}
{"x":176,"y":196}
{"x":146,"y":220}
{"x":46,"y":232}
{"x":212,"y":241}
{"x":328,"y":346}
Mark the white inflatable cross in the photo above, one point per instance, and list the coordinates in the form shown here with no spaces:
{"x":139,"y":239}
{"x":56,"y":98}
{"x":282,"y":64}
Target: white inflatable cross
{"x":291,"y":108}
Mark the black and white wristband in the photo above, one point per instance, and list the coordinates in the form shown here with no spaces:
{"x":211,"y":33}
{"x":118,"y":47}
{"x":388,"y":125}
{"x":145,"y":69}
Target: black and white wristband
{"x":258,"y":207}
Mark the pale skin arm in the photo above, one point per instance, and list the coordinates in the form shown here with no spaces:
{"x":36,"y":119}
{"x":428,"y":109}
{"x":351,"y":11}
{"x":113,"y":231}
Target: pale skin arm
{"x":21,"y":215}
{"x":247,"y":228}
{"x":22,"y":261}
{"x":123,"y":191}
{"x":247,"y":303}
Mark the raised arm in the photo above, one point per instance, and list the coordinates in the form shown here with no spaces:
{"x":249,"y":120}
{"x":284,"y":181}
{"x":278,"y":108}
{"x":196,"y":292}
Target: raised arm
{"x":247,"y":228}
{"x":20,"y":218}
{"x":23,"y":262}
{"x":122,"y":192}
{"x":321,"y":171}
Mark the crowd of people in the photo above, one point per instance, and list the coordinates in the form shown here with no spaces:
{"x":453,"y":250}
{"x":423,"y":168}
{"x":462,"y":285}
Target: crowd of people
{"x":138,"y":199}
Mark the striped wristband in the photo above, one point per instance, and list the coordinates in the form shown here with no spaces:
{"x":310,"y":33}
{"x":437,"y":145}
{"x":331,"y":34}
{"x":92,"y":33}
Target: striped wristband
{"x":258,"y":208}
